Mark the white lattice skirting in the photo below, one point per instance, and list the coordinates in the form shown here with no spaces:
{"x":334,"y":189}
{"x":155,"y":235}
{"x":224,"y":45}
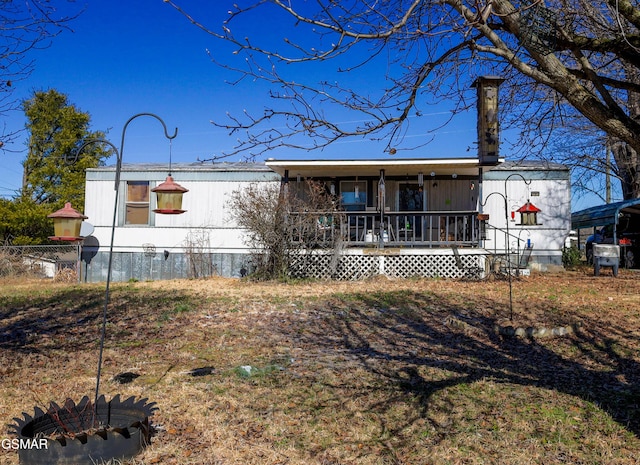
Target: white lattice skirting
{"x":355,"y":264}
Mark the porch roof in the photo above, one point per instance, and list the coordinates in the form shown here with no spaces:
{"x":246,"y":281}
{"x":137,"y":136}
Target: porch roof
{"x":372,"y":167}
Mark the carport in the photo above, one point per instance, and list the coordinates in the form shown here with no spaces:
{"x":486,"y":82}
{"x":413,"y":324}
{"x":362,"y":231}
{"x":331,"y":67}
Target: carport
{"x":624,"y":216}
{"x":603,"y":215}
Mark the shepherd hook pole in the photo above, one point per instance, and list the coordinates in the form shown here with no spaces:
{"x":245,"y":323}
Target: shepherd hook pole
{"x":119,"y":154}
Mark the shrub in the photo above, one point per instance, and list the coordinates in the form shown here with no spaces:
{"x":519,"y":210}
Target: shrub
{"x":571,"y":257}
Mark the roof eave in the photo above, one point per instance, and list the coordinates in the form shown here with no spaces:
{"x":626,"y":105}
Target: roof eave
{"x":372,"y":167}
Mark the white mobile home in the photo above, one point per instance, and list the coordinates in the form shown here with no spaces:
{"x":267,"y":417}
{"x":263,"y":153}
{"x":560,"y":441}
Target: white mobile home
{"x":399,"y":217}
{"x":147,"y":245}
{"x":537,"y":197}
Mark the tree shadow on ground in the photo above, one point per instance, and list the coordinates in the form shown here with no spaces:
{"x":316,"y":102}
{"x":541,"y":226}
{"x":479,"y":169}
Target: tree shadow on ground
{"x":397,"y":337}
{"x":71,"y":319}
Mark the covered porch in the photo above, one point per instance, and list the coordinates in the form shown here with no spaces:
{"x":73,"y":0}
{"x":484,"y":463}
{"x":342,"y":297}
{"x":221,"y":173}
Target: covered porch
{"x":402,"y":203}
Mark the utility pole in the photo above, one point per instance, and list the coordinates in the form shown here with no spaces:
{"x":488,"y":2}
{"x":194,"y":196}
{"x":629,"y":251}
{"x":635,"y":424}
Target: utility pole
{"x":607,"y":174}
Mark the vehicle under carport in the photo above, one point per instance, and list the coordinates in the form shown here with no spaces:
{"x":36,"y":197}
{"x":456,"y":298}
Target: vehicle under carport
{"x":613,"y":223}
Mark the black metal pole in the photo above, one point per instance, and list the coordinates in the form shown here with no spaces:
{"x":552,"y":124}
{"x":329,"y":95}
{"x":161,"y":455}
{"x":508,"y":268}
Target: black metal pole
{"x":119,"y":154}
{"x":506,"y":246}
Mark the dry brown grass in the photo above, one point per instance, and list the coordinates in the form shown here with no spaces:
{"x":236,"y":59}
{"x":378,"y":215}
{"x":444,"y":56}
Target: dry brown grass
{"x":375,"y":372}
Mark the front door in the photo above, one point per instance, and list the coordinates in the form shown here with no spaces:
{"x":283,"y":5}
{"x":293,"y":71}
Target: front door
{"x":412,"y":199}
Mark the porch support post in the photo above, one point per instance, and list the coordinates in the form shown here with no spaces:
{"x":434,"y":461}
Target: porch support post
{"x":284,"y":184}
{"x":479,"y":204}
{"x":381,"y":202}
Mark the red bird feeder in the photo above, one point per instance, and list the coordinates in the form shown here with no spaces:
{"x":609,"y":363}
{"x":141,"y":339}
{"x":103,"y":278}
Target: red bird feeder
{"x":169,"y":197}
{"x":529,"y":213}
{"x":66,"y":224}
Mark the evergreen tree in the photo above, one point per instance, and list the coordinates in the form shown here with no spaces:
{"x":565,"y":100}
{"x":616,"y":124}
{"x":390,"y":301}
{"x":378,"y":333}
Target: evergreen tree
{"x":23,"y":222}
{"x":54,"y":170}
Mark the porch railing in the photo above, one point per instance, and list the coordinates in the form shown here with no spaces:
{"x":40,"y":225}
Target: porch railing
{"x":392,"y":229}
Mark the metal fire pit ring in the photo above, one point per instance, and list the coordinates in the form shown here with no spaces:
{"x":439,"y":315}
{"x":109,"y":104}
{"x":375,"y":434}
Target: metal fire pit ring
{"x":81,"y":434}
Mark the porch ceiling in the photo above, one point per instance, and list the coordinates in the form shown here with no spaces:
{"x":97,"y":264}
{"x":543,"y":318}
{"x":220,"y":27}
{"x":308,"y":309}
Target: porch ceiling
{"x":392,"y":167}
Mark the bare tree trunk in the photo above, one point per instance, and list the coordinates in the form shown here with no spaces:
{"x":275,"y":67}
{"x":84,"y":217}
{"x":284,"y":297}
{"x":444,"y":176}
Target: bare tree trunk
{"x":626,"y":157}
{"x":628,"y":167}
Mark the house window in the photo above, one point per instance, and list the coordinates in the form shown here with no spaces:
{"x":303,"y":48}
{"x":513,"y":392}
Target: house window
{"x":137,"y":204}
{"x":353,"y":195}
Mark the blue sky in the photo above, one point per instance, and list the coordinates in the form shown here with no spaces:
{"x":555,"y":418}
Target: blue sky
{"x":124,"y":58}
{"x":128,"y":57}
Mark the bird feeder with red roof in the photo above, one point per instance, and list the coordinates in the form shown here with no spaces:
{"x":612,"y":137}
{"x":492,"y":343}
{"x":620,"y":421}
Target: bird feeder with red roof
{"x":66,"y":224}
{"x":528,"y":214}
{"x":169,"y":195}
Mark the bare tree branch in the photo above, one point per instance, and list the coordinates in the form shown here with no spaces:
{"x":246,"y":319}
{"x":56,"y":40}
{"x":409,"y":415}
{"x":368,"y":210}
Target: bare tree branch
{"x":24,"y":26}
{"x":565,"y":61}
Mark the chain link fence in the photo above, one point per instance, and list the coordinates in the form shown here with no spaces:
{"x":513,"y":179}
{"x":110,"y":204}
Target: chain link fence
{"x":60,"y":262}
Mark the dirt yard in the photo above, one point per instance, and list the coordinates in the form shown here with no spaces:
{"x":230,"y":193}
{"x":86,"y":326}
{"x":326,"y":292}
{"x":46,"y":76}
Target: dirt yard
{"x":374,"y":372}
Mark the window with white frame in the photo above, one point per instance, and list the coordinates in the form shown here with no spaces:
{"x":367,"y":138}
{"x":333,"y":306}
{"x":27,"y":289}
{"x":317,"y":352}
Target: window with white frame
{"x":137,"y":202}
